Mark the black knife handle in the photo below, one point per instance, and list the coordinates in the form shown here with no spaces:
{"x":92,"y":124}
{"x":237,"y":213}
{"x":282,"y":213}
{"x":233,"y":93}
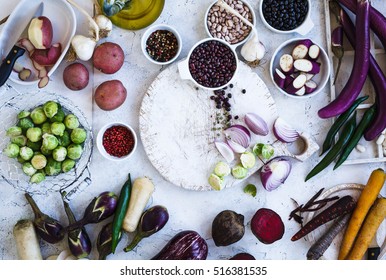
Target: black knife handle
{"x":8,"y":63}
{"x":373,"y":253}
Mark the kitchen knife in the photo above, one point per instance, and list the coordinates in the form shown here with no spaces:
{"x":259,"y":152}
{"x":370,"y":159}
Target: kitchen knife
{"x":15,"y":27}
{"x":373,"y":250}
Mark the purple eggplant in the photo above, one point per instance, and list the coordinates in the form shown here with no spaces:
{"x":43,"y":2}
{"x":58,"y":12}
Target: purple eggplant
{"x":100,"y":208}
{"x":46,"y":227}
{"x":151,"y":221}
{"x":185,"y":245}
{"x":104,"y":241}
{"x":78,"y":240}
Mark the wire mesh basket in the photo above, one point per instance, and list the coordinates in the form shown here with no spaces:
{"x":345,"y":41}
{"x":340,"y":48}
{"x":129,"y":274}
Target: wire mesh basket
{"x":11,"y":170}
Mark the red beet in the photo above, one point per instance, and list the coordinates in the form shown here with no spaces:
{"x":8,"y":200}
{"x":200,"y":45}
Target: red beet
{"x":243,"y":256}
{"x":267,"y":226}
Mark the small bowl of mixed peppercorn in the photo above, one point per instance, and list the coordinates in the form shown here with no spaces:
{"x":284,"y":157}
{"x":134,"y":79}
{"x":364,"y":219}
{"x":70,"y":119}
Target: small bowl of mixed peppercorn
{"x":161,"y":44}
{"x":287,"y":16}
{"x":116,"y":141}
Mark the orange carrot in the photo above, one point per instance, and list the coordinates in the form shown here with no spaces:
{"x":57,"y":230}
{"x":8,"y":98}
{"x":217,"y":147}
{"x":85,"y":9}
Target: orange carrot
{"x":373,"y":220}
{"x":366,"y":199}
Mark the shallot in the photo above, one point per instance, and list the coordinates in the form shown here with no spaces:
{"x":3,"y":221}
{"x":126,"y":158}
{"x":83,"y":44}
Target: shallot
{"x":256,"y":124}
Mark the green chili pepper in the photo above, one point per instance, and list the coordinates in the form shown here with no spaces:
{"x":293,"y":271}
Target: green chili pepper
{"x":123,"y":203}
{"x":363,"y":124}
{"x":339,"y":123}
{"x":336,"y":149}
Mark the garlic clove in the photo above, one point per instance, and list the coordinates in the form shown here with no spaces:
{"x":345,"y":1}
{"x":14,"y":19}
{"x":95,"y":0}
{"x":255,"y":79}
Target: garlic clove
{"x":83,"y":46}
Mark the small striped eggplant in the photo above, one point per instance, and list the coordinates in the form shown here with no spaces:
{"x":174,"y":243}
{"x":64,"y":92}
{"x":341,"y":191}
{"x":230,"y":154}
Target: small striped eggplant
{"x":78,"y":240}
{"x":151,"y":221}
{"x":100,"y":208}
{"x":104,"y":241}
{"x":185,"y":245}
{"x":46,"y":227}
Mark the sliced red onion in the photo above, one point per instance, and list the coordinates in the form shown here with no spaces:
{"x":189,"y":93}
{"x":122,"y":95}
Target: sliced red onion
{"x":256,"y":124}
{"x":275,"y":172}
{"x":284,"y":132}
{"x":225,"y":150}
{"x":238,"y":138}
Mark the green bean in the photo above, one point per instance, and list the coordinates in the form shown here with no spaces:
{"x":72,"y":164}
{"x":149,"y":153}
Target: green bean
{"x":339,"y":123}
{"x":336,"y":149}
{"x":363,"y":124}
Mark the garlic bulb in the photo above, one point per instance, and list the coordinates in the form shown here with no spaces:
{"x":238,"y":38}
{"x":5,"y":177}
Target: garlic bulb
{"x":253,"y":50}
{"x":83,"y":47}
{"x":105,"y":25}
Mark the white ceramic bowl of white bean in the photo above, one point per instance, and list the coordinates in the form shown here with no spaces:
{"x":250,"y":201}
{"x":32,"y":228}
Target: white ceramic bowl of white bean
{"x":223,"y":25}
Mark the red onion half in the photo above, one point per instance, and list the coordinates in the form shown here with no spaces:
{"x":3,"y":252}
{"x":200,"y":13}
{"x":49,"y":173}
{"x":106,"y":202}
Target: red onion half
{"x":275,"y":172}
{"x":238,"y":138}
{"x":284,"y":132}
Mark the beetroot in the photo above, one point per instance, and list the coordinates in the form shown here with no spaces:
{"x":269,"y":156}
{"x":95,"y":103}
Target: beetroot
{"x":267,"y":226}
{"x":243,"y":256}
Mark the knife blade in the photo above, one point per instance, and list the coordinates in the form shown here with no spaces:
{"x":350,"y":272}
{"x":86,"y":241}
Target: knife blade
{"x":17,"y":25}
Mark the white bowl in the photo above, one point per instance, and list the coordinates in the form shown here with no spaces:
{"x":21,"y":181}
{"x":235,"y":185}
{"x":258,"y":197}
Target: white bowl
{"x":321,"y":79}
{"x":302,"y":29}
{"x":99,"y":141}
{"x":234,"y":45}
{"x":154,"y":28}
{"x":63,"y":21}
{"x":183,"y":66}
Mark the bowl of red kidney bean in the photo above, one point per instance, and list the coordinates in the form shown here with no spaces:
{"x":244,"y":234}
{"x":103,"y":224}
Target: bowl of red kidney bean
{"x":161,"y":44}
{"x":287,"y":16}
{"x":116,"y":141}
{"x":211,"y":64}
{"x":221,"y":24}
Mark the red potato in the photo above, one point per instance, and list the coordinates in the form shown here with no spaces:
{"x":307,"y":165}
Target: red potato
{"x":110,"y":95}
{"x":108,"y":57}
{"x":40,"y":32}
{"x":76,"y":76}
{"x":47,"y":57}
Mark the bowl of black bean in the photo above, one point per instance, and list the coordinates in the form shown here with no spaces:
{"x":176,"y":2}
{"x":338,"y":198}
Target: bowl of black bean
{"x":161,"y":44}
{"x":287,"y":16}
{"x":211,"y":64}
{"x":221,"y":24}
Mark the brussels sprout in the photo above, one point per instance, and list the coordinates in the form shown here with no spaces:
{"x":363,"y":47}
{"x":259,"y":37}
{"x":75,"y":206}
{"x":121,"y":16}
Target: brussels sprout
{"x":34,"y":134}
{"x":45,"y":151}
{"x":222,"y":169}
{"x":64,"y":140}
{"x":216,"y":182}
{"x":59,"y":153}
{"x":58,"y":128}
{"x":74,"y":151}
{"x":28,"y":169}
{"x":71,"y":121}
{"x":12,"y":150}
{"x":14,"y":131}
{"x":78,"y":135}
{"x":46,"y":127}
{"x":239,"y":172}
{"x":26,"y":153}
{"x":53,"y":167}
{"x":37,"y":178}
{"x":50,"y":108}
{"x":23,"y":114}
{"x":35,"y":146}
{"x":39,"y":161}
{"x":50,"y":142}
{"x":38,"y":116}
{"x":68,"y":164}
{"x":26,"y":123}
{"x":20,"y":140}
{"x":59,"y":117}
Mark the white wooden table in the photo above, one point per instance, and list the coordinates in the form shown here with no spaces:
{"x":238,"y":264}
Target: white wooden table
{"x":192,"y":210}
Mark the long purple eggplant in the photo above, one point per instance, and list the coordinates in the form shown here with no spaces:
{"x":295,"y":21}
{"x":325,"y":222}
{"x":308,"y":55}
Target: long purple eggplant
{"x":377,"y":78}
{"x":377,"y":20}
{"x":360,"y":68}
{"x":185,"y":245}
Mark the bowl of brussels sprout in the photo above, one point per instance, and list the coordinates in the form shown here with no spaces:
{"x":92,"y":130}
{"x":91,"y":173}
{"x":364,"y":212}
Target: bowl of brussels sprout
{"x":45,"y":143}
